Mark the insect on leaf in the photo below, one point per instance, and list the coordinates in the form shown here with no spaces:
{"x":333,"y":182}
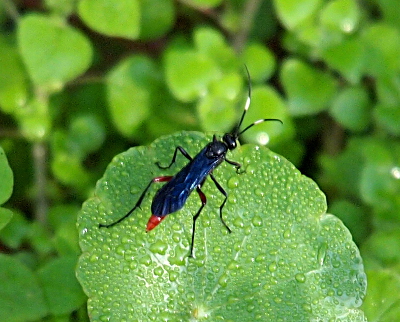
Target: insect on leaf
{"x":285,"y":258}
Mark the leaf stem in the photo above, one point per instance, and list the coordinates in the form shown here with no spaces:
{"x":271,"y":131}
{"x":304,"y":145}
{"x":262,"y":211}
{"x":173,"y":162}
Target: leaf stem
{"x":40,"y":166}
{"x":250,"y":10}
{"x":11,"y":9}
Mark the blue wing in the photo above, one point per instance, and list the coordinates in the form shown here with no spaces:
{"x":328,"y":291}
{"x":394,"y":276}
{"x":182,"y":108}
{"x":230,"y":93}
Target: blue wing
{"x":173,"y":195}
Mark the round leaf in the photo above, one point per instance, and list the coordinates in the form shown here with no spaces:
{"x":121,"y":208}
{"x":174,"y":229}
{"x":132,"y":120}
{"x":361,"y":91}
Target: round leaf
{"x":383,"y":296}
{"x":6,"y":178}
{"x":348,"y":57}
{"x":130,"y":87}
{"x":260,"y":62}
{"x":53,"y":52}
{"x":284,"y":251}
{"x":343,"y":15}
{"x":188,"y":86}
{"x":21,"y":296}
{"x":351,"y":108}
{"x":62,"y":291}
{"x":308,"y":89}
{"x":382,"y":52}
{"x":154,"y":10}
{"x":13,"y":78}
{"x":388,"y":117}
{"x":294,"y":12}
{"x":118,"y":18}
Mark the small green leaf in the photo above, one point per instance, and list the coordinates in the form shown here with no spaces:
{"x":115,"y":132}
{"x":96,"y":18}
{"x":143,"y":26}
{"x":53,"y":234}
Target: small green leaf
{"x":382,"y":52}
{"x":6,"y":178}
{"x":21,"y":296}
{"x":348,"y":57}
{"x":381,"y":304}
{"x":212,"y":43}
{"x":390,"y":12}
{"x":87,"y":133}
{"x":294,"y":12}
{"x":351,"y":108}
{"x":15,"y":233}
{"x":217,"y":109}
{"x":154,"y":10}
{"x":260,"y":62}
{"x":309,"y":90}
{"x":34,"y":119}
{"x":13,"y":78}
{"x":62,"y":291}
{"x":117,"y":18}
{"x":341,"y":15}
{"x":130,"y":87}
{"x":189,"y":73}
{"x":5,"y":217}
{"x":388,"y":90}
{"x":388,"y":117}
{"x":54,"y":53}
{"x":377,"y":247}
{"x":284,"y":250}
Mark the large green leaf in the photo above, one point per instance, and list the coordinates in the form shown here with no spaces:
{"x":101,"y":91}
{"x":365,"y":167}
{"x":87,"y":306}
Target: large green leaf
{"x":286,"y":259}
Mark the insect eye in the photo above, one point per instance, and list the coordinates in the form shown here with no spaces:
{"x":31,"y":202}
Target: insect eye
{"x":230,"y":141}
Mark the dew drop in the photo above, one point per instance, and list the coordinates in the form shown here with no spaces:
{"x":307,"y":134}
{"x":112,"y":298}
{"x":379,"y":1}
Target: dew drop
{"x":120,"y":250}
{"x":300,"y":277}
{"x":223,"y":280}
{"x":158,"y":271}
{"x":272,"y":267}
{"x":257,"y":221}
{"x":287,"y":234}
{"x":159,"y":247}
{"x":93,"y":258}
{"x":259,"y":192}
{"x":233,"y":182}
{"x":145,"y":260}
{"x":238,"y":222}
{"x":173,"y":276}
{"x":250,"y":169}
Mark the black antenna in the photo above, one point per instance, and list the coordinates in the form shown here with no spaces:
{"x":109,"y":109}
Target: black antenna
{"x":237,"y":131}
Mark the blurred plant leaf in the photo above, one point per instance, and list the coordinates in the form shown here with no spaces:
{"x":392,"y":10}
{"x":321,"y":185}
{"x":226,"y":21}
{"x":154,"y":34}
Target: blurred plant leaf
{"x":116,"y":18}
{"x":292,"y":13}
{"x":260,"y":62}
{"x":53,"y":52}
{"x":13,"y":78}
{"x":309,"y":90}
{"x":351,"y":108}
{"x":56,"y":275}
{"x":130,"y":87}
{"x":6,"y":178}
{"x":381,"y":304}
{"x":21,"y":296}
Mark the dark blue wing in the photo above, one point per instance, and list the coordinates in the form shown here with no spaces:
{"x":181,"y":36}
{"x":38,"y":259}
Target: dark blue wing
{"x":172,"y":196}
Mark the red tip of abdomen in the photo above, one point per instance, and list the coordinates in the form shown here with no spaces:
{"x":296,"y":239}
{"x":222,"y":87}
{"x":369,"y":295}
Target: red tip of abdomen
{"x":153,"y":222}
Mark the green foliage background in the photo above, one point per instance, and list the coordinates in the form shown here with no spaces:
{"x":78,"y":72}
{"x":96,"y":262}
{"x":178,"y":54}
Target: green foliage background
{"x":81,"y":81}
